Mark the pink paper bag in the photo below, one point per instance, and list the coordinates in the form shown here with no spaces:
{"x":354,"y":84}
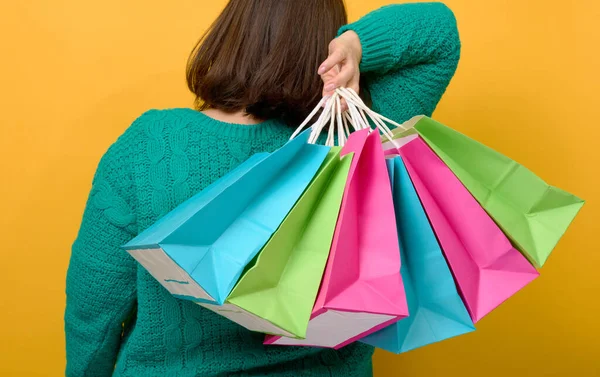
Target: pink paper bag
{"x":487,"y":268}
{"x":362,"y":288}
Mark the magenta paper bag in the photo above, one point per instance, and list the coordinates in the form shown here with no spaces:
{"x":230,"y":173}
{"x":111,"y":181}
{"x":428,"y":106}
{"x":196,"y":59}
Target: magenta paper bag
{"x":362,"y":288}
{"x":487,"y":268}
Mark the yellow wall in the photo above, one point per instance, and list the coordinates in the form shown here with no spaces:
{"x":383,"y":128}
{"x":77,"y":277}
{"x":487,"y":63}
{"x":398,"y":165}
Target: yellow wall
{"x":74,"y":74}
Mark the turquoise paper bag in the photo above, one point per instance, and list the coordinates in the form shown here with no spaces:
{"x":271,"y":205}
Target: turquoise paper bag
{"x":436,"y":311}
{"x":199,"y":250}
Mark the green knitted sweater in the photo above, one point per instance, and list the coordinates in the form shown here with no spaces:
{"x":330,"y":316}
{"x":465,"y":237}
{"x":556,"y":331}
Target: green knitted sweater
{"x":119,"y":321}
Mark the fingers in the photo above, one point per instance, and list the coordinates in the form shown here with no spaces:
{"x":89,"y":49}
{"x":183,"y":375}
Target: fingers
{"x":348,"y":77}
{"x":335,"y":58}
{"x":340,"y":69}
{"x":354,"y":83}
{"x":328,"y":78}
{"x":345,"y":76}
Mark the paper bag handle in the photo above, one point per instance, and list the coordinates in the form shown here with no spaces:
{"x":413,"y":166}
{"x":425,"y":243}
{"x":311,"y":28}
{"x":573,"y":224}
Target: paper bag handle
{"x":331,"y":114}
{"x":356,"y":116}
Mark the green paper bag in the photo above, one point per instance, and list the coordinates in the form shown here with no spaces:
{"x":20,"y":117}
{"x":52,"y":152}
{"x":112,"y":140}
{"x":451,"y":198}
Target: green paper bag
{"x":533,"y":214}
{"x":276,"y":294}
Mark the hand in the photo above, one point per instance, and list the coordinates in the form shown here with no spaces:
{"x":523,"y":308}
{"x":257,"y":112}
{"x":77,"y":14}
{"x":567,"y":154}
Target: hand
{"x":341,"y":68}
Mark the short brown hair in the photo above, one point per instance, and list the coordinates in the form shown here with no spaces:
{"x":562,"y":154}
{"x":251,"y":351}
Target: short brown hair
{"x":262,"y":56}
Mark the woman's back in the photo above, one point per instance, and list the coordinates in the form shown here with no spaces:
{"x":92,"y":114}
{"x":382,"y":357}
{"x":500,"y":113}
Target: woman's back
{"x":409,"y":52}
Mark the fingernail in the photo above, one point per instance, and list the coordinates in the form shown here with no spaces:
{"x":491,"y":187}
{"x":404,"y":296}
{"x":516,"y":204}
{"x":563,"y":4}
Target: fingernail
{"x":321,"y":69}
{"x":330,"y":87}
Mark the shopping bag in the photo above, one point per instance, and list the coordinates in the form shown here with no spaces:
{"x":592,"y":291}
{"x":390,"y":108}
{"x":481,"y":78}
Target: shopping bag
{"x":436,"y":310}
{"x":362,"y":289}
{"x":277,"y":293}
{"x":533,"y":214}
{"x":487,"y":268}
{"x":199,"y":250}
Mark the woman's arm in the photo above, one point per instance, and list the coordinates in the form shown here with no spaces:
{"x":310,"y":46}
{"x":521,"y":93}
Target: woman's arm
{"x":101,"y":277}
{"x":408,"y":55}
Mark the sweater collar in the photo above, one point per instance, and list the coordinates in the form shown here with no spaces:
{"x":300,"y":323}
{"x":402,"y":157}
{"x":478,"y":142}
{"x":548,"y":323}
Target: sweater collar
{"x":236,"y":130}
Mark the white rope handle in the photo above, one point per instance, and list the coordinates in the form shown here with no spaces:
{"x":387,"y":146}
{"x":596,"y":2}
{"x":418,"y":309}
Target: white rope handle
{"x":318,"y":125}
{"x":322,"y":121}
{"x":351,"y":96}
{"x":353,"y":100}
{"x":346,"y":128}
{"x":340,"y":126}
{"x":331,"y":134}
{"x":357,"y":120}
{"x":357,"y":117}
{"x":332,"y":116}
{"x":349,"y":92}
{"x":309,"y":117}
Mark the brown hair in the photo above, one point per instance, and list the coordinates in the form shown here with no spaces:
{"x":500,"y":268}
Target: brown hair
{"x":262,"y":56}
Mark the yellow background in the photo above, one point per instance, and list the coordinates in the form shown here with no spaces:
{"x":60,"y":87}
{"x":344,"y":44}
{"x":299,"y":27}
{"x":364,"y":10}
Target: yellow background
{"x":75,"y":73}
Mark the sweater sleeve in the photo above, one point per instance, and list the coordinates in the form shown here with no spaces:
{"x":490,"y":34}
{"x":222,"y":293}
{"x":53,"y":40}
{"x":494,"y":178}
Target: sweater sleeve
{"x":410,"y":53}
{"x":100,"y":284}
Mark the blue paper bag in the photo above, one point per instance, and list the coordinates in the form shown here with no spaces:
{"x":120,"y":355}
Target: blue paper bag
{"x":199,"y":250}
{"x":436,"y":311}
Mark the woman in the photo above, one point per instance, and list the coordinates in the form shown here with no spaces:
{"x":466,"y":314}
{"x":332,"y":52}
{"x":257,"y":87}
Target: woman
{"x":256,"y":73}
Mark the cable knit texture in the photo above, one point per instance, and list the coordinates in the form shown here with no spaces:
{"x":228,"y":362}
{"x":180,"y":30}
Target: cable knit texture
{"x":119,"y":321}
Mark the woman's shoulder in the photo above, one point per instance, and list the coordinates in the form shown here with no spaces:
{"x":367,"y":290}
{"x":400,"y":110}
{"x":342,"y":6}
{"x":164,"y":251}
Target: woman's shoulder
{"x":154,"y":124}
{"x":149,"y":132}
{"x":154,"y":120}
